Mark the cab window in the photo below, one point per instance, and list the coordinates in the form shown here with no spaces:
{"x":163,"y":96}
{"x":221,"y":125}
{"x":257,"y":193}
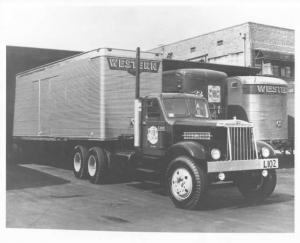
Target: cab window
{"x":152,"y":109}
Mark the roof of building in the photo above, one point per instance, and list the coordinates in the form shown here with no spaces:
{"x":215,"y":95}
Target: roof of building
{"x":211,"y":32}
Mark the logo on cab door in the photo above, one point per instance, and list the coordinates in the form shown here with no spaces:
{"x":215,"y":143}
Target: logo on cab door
{"x":152,"y":135}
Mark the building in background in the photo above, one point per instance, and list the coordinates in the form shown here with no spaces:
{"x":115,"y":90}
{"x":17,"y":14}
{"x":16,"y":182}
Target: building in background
{"x":270,"y":48}
{"x":19,"y":59}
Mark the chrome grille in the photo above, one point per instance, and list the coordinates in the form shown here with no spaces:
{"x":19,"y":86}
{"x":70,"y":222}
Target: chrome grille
{"x":241,"y":143}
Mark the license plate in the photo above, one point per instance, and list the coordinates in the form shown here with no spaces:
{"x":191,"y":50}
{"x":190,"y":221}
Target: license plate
{"x":270,"y":163}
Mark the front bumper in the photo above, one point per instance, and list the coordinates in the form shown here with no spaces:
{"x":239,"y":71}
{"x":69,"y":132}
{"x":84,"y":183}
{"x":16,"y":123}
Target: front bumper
{"x":242,"y":165}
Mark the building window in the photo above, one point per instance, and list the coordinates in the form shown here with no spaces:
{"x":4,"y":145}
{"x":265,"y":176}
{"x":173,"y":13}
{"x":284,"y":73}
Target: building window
{"x":267,"y":68}
{"x":282,"y":73}
{"x":275,"y":69}
{"x":219,"y":42}
{"x":193,"y":49}
{"x":288,"y":72}
{"x":202,"y":58}
{"x":170,"y":55}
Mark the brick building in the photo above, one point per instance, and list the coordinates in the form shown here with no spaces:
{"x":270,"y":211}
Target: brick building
{"x":249,"y":44}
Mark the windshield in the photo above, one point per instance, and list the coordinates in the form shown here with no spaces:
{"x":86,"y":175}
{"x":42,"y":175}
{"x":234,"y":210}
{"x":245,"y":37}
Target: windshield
{"x":186,"y":107}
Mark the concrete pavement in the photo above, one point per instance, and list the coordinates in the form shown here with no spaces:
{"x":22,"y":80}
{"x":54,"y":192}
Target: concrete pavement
{"x":43,"y":196}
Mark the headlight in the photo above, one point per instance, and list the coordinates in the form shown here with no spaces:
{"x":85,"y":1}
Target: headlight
{"x":265,"y":152}
{"x":215,"y":154}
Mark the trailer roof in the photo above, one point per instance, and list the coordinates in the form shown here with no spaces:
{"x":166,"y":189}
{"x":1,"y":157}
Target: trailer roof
{"x":103,"y":51}
{"x":259,"y":80}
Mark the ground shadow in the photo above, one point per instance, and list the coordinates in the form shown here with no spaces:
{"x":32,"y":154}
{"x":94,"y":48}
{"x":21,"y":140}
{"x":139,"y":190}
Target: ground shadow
{"x":223,"y":196}
{"x":149,"y":186}
{"x":19,"y":177}
{"x":213,"y":201}
{"x":286,"y":161}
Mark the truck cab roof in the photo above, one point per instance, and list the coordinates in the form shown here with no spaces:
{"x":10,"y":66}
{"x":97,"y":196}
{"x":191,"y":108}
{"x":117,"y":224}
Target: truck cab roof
{"x":173,"y":95}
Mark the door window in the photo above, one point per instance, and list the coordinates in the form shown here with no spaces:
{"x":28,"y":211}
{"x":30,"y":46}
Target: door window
{"x":153,"y":110}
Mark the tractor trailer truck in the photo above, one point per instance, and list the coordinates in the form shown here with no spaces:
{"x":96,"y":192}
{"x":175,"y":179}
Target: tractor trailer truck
{"x":110,"y":106}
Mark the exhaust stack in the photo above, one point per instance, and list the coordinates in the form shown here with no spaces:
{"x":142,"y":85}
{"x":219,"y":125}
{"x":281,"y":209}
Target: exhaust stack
{"x":137,"y":102}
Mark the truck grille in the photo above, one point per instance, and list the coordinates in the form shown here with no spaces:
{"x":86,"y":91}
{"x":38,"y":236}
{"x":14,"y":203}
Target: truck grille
{"x":241,"y":145}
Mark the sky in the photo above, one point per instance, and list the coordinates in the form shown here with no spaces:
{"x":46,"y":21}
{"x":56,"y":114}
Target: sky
{"x":86,"y":25}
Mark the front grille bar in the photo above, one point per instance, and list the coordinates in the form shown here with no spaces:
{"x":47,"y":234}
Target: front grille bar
{"x":241,"y":143}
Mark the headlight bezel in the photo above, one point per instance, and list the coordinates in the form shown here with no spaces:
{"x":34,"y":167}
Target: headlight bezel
{"x":215,"y":153}
{"x":265,"y":152}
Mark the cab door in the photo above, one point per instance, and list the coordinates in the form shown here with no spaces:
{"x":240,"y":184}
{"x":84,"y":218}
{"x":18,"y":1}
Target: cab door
{"x":154,"y":128}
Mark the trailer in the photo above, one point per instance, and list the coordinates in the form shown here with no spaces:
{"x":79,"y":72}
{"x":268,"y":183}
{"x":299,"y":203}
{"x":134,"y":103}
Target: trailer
{"x":109,"y":106}
{"x":261,"y":100}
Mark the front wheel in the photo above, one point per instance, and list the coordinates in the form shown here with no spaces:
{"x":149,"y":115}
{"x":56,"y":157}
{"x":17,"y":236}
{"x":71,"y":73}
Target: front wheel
{"x":187,"y":183}
{"x":254,"y":186}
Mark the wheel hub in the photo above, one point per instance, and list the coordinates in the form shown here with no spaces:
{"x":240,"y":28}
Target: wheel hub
{"x":92,"y":165}
{"x":181,"y":184}
{"x":77,"y":162}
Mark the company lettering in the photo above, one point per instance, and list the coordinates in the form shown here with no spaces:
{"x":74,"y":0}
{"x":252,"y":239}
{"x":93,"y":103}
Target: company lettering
{"x":261,"y":89}
{"x":128,"y":64}
{"x":264,"y":89}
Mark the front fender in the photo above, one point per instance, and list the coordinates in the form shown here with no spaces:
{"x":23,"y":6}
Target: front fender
{"x":261,"y":144}
{"x":188,"y":148}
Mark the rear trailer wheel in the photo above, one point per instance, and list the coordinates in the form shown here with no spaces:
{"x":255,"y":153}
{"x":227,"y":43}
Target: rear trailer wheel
{"x":187,"y":183}
{"x":254,"y":186}
{"x":80,"y":161}
{"x":97,"y":165}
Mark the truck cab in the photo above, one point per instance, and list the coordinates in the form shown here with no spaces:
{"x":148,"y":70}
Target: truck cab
{"x":178,"y":131}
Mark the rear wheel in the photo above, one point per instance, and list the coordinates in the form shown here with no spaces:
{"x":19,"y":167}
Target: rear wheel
{"x":80,"y":161}
{"x":187,"y":183}
{"x":97,"y":165}
{"x":254,"y":186}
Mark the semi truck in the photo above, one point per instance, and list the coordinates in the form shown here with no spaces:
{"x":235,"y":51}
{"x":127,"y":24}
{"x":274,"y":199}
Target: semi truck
{"x":110,"y":106}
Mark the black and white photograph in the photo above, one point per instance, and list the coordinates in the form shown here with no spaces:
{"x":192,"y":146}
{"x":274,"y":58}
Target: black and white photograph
{"x":140,"y":120}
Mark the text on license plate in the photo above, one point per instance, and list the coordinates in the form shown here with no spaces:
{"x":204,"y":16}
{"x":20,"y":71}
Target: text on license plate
{"x":270,"y":163}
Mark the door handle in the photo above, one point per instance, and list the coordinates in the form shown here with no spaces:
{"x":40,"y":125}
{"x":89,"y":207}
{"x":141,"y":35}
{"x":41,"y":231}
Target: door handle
{"x":144,"y":123}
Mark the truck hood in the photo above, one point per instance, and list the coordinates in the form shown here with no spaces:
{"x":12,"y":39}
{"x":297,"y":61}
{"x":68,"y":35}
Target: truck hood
{"x":211,"y":123}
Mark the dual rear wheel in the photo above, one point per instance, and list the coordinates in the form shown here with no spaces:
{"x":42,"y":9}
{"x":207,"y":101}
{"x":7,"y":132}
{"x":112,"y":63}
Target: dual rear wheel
{"x":92,"y":164}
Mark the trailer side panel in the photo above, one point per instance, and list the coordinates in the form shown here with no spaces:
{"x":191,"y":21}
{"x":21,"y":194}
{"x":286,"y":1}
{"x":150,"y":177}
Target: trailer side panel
{"x":60,"y":101}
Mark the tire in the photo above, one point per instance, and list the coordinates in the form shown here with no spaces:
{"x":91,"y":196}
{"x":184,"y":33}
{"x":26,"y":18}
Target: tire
{"x":253,"y":186}
{"x":190,"y":194}
{"x":97,"y":164}
{"x":80,"y":154}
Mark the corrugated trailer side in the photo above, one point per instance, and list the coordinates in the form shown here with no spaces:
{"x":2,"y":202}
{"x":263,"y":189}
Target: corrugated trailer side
{"x":81,"y":97}
{"x":60,"y":100}
{"x":119,"y":89}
